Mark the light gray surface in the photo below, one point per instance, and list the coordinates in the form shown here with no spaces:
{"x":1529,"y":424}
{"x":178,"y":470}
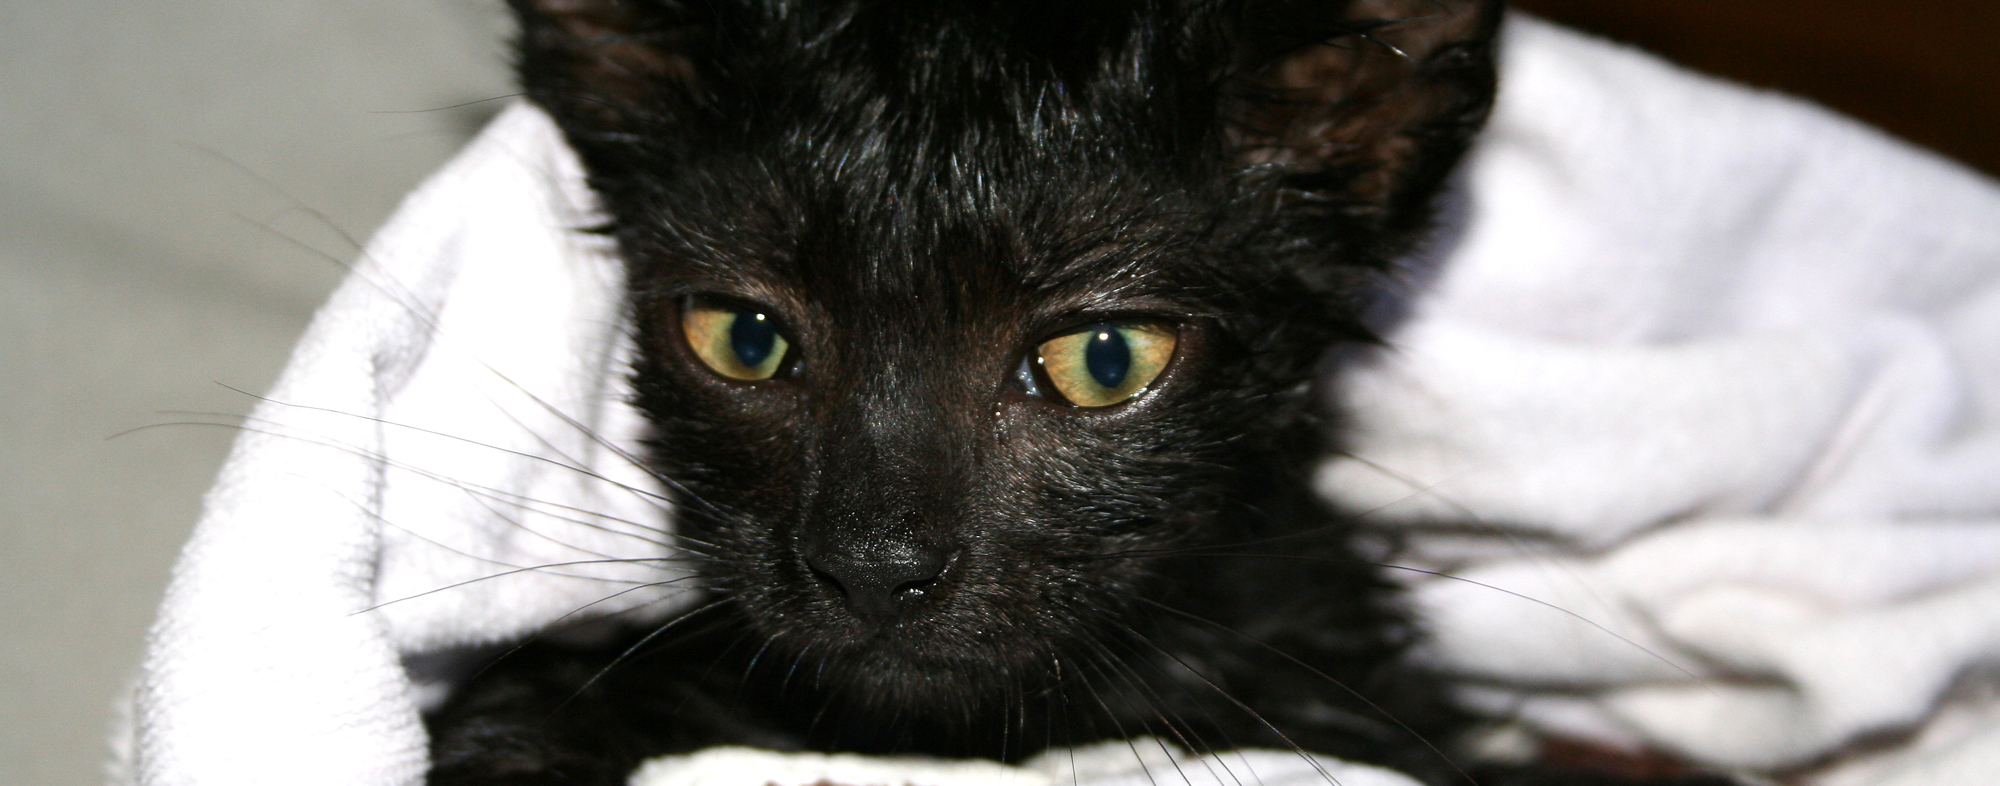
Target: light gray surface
{"x":160,"y":167}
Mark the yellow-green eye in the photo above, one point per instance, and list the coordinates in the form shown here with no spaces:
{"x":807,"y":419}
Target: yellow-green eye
{"x":738,"y":342}
{"x":1108,"y":362}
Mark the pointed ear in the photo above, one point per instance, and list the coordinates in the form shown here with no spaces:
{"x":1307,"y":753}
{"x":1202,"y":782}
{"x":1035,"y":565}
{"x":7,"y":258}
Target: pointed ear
{"x":606,"y":66}
{"x":1364,"y":104}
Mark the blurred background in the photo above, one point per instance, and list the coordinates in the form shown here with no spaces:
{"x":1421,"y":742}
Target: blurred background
{"x":179,"y":180}
{"x":176,"y":180}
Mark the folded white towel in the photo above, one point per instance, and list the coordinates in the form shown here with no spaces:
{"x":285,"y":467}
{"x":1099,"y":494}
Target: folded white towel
{"x":453,"y":413}
{"x":1721,"y":372}
{"x":1710,"y":369}
{"x":1139,"y":762}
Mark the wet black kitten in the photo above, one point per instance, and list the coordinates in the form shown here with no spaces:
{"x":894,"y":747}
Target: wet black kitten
{"x":979,"y":339}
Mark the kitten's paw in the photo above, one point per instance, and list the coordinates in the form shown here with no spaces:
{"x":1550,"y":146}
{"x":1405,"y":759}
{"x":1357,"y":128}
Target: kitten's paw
{"x":497,"y":756}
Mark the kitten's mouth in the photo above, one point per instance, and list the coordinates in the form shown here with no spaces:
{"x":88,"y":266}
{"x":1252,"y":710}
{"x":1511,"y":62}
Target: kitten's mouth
{"x":913,"y":625}
{"x":911,"y":675}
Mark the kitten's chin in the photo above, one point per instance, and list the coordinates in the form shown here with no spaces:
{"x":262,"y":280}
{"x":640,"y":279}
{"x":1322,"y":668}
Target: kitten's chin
{"x":986,"y":627}
{"x":931,"y":685}
{"x":940,"y":660}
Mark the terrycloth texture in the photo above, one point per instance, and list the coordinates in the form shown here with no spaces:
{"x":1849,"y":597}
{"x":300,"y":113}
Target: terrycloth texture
{"x":1711,"y":375}
{"x":432,"y":428}
{"x":1140,"y":762}
{"x":1716,"y":379}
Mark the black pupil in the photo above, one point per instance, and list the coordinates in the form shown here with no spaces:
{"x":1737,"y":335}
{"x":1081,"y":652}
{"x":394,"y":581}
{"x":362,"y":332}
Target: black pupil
{"x":752,"y":338}
{"x":1107,"y":356}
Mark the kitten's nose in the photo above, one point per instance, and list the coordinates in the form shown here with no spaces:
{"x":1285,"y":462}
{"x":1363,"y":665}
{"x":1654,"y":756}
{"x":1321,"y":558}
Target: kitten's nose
{"x":878,"y":582}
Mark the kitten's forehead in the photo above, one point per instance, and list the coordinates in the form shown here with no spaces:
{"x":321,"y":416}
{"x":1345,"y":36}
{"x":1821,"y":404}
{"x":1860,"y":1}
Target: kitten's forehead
{"x":851,"y":247}
{"x":951,"y":163}
{"x":915,"y":147}
{"x":836,"y":213}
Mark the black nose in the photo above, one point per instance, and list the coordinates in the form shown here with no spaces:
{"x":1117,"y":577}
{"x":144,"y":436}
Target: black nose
{"x":878,"y":581}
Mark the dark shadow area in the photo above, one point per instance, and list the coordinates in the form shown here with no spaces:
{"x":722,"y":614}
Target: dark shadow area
{"x":1925,"y":70}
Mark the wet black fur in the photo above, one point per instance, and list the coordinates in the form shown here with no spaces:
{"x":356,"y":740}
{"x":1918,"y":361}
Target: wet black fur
{"x":922,"y":191}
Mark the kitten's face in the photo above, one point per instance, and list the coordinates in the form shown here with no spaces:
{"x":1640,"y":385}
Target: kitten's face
{"x":917,"y":451}
{"x":946,"y":321}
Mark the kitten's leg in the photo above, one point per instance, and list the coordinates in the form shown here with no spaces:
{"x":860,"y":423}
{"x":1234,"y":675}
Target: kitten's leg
{"x":559,"y":714}
{"x":532,"y":718}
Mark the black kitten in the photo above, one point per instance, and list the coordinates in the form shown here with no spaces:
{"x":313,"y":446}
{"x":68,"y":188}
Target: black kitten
{"x":979,"y":339}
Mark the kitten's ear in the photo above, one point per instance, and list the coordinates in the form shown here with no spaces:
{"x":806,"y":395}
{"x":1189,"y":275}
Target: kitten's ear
{"x":1367,"y":103}
{"x":608,"y":66}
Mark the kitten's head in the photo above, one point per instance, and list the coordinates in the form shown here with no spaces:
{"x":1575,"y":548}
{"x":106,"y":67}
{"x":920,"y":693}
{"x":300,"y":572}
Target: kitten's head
{"x":950,"y":310}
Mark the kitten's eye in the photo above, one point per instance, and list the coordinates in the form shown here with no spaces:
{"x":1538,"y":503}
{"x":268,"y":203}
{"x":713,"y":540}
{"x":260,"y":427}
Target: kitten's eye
{"x":1108,"y":362}
{"x":736,"y":341}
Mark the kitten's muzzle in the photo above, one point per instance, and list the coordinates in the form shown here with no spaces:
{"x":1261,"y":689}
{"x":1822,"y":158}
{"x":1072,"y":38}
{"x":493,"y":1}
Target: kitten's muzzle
{"x":881,"y":578}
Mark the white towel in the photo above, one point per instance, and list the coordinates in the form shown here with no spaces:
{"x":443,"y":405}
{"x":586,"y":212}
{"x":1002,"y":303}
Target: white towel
{"x":434,"y":427}
{"x":1711,"y":370}
{"x":1722,"y":372}
{"x":1139,"y":762}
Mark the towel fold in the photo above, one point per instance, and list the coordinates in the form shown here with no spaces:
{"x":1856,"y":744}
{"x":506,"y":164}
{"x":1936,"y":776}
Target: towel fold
{"x":1705,"y":381}
{"x":1139,"y":762}
{"x":1708,"y":386}
{"x":454,"y":414}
